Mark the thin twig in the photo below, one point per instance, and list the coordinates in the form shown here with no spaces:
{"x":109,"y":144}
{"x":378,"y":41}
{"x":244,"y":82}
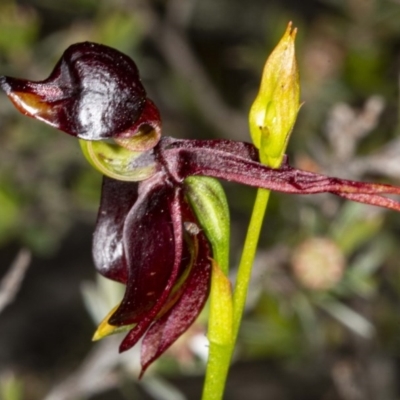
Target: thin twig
{"x":95,"y":375}
{"x":11,"y":282}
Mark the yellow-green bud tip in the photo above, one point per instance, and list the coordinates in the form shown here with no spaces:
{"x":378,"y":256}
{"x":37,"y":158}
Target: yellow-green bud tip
{"x":274,"y":111}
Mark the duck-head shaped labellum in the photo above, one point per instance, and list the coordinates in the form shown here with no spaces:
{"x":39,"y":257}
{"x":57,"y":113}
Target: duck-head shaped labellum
{"x":94,"y":92}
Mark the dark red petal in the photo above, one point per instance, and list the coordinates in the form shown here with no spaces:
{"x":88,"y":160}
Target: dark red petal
{"x":199,"y":269}
{"x":129,"y":310}
{"x":117,"y":198}
{"x":241,"y":149}
{"x":148,"y":122}
{"x":166,"y":330}
{"x":94,"y":92}
{"x":372,"y":199}
{"x":152,"y":239}
{"x":219,"y":163}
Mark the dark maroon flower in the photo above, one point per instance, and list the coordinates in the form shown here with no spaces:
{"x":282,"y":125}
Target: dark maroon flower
{"x":147,"y":235}
{"x":140,"y":240}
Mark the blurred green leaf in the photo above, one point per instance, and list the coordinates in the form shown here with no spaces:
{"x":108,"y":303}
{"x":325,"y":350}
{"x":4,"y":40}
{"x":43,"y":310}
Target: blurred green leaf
{"x":11,"y":388}
{"x":19,"y":27}
{"x":9,"y":211}
{"x":271,"y":331}
{"x":351,"y":228}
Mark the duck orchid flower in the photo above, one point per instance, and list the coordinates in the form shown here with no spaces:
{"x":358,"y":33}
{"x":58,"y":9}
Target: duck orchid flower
{"x":161,"y":214}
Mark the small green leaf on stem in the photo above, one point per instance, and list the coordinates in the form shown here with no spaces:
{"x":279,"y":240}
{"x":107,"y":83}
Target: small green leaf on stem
{"x":207,"y":197}
{"x":221,"y":312}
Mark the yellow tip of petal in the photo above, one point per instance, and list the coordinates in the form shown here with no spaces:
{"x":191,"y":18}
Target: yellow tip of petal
{"x":105,"y":329}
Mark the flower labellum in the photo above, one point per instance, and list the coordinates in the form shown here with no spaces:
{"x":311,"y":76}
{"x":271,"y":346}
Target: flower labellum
{"x":161,"y":223}
{"x":94,"y":92}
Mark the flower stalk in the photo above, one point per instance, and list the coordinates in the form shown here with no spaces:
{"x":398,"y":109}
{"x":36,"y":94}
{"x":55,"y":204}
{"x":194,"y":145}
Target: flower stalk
{"x":247,"y":258}
{"x":271,"y":121}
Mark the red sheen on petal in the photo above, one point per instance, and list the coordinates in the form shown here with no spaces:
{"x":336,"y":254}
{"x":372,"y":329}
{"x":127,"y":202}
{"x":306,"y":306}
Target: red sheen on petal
{"x":181,"y":212}
{"x":166,"y":330}
{"x":149,"y":239}
{"x":148,"y":317}
{"x":155,"y":249}
{"x":117,"y":198}
{"x":94,"y":92}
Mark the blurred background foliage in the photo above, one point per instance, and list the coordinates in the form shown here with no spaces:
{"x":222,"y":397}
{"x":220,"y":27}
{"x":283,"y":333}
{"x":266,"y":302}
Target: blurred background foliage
{"x":323,"y":314}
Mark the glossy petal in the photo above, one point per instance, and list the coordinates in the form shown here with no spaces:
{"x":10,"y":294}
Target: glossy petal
{"x":94,"y":92}
{"x":190,"y":285}
{"x":167,"y":329}
{"x":128,"y":312}
{"x":152,"y":239}
{"x":117,"y":198}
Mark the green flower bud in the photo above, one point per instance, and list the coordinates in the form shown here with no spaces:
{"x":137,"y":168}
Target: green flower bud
{"x":274,"y":111}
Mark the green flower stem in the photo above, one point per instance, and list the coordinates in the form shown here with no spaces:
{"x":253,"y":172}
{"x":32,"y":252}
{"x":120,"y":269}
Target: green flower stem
{"x":219,"y":334}
{"x":246,"y":262}
{"x":271,"y":120}
{"x":220,"y":355}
